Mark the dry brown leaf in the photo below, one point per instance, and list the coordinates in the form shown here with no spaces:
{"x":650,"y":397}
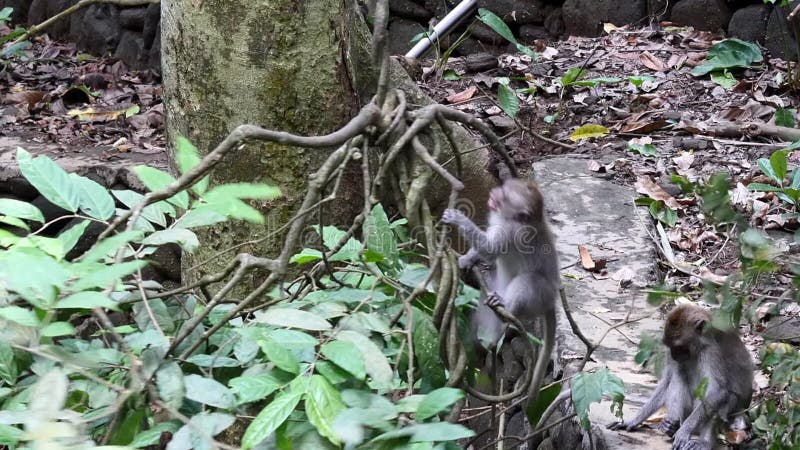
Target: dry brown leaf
{"x":684,"y":161}
{"x":652,"y":62}
{"x":29,"y":99}
{"x":646,"y":185}
{"x":586,"y":259}
{"x":644,"y":127}
{"x":464,"y":95}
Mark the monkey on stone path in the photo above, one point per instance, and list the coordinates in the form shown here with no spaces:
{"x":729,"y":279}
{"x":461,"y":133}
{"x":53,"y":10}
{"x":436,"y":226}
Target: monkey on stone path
{"x":698,"y":352}
{"x":525,"y":279}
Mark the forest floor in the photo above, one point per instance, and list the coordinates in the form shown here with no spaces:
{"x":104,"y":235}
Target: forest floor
{"x":657,"y":120}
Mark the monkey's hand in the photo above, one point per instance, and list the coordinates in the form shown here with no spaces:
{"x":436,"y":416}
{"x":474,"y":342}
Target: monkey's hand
{"x":453,"y":217}
{"x":493,"y":299}
{"x":683,"y":439}
{"x":623,"y":425}
{"x":465,"y":262}
{"x":669,"y":426}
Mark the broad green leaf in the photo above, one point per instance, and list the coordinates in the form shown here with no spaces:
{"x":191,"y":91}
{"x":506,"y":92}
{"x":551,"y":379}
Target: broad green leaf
{"x":763,"y":187}
{"x":429,"y":432}
{"x":93,"y":198}
{"x":377,"y":365}
{"x":571,"y":76}
{"x":426,"y":351}
{"x":451,"y":75}
{"x":591,"y":82}
{"x":153,"y":435}
{"x":333,"y":373}
{"x":110,"y":245}
{"x":10,"y":436}
{"x":378,"y":234}
{"x":213,"y":361}
{"x":724,"y":79}
{"x":21,"y":210}
{"x":151,"y":212}
{"x":181,"y":236}
{"x":347,"y":295}
{"x":58,"y":329}
{"x":236,"y":209}
{"x":87,"y":300}
{"x":22,"y":316}
{"x":14,"y":222}
{"x":272,"y":416}
{"x":107,"y":275}
{"x":187,"y":157}
{"x":323,"y":404}
{"x":588,"y":388}
{"x":438,"y":401}
{"x":499,"y":26}
{"x":784,"y":117}
{"x":508,"y":100}
{"x":51,"y":246}
{"x":588,"y":131}
{"x":345,"y":355}
{"x":169,"y":381}
{"x":49,"y":179}
{"x":766,"y":166}
{"x":643,"y":149}
{"x":294,"y":318}
{"x":730,"y":53}
{"x":253,"y":191}
{"x":331,"y":237}
{"x":34,"y":275}
{"x":72,"y":235}
{"x":208,"y":392}
{"x":256,"y":387}
{"x":306,"y":255}
{"x":639,"y":80}
{"x":778,"y":162}
{"x":127,"y":429}
{"x":546,"y":396}
{"x":282,"y":357}
{"x":9,"y":371}
{"x":156,"y":180}
{"x":199,"y":217}
{"x":195,"y":435}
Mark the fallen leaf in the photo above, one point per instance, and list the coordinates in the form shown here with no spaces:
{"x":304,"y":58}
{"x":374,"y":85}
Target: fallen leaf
{"x":646,"y":185}
{"x":652,"y":62}
{"x":464,"y":95}
{"x":588,"y":131}
{"x":586,"y":259}
{"x":27,"y":98}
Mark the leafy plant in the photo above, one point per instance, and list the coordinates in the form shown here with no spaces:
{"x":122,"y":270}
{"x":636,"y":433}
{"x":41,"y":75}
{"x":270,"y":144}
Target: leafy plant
{"x":777,"y":169}
{"x":496,"y":23}
{"x":659,"y":210}
{"x":729,"y":54}
{"x":11,"y":49}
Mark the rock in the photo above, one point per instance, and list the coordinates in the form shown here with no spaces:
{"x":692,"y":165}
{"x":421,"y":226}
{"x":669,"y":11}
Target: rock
{"x":708,"y":15}
{"x":87,"y":240}
{"x":151,"y":25}
{"x":167,"y":262}
{"x":503,"y":124}
{"x":20,"y":14}
{"x":479,"y":62}
{"x":101,"y":30}
{"x":586,"y":17}
{"x":407,"y":9}
{"x":471,"y":46}
{"x":18,"y":187}
{"x":401,"y":32}
{"x":133,"y":18}
{"x":41,"y":10}
{"x":484,"y":33}
{"x":50,"y":212}
{"x":76,"y":25}
{"x":517,"y":11}
{"x":154,"y":56}
{"x":529,"y":33}
{"x":131,"y":50}
{"x":749,"y":23}
{"x":554,"y":23}
{"x":777,"y":40}
{"x":781,"y":328}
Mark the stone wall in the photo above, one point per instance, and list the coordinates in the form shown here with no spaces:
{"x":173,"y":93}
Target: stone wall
{"x":132,"y":34}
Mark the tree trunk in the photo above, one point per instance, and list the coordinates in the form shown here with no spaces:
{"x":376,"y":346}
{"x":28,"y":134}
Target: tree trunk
{"x":281,"y":64}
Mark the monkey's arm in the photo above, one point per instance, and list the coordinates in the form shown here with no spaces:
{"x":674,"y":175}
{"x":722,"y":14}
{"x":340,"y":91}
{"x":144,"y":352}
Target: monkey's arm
{"x":650,"y":407}
{"x":714,"y":401}
{"x":487,"y":245}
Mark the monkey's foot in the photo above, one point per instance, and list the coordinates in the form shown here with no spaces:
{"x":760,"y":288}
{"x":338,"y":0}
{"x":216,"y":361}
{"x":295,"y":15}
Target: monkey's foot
{"x":493,"y":299}
{"x":669,"y":426}
{"x":621,"y":425}
{"x":452,"y":216}
{"x":694,"y":444}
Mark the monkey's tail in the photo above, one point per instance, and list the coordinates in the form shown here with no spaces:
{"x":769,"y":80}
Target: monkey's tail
{"x":542,"y":357}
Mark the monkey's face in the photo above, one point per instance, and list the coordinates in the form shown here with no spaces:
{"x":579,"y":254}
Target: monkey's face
{"x":515,"y":199}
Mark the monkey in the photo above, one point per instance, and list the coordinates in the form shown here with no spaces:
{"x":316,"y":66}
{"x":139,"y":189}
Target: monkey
{"x":525,"y":278}
{"x":698,"y":352}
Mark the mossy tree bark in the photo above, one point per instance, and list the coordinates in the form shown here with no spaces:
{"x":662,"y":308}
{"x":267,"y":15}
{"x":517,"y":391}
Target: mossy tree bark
{"x":282,"y":64}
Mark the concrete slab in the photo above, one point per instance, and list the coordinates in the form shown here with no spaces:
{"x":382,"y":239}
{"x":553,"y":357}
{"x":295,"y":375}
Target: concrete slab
{"x":600,"y":215}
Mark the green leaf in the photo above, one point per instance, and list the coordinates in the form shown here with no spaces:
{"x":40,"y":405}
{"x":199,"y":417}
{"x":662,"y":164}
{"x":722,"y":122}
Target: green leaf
{"x":571,"y":76}
{"x":508,"y":100}
{"x":213,"y":361}
{"x":236,"y":209}
{"x":643,"y":149}
{"x":58,"y":329}
{"x":87,"y":300}
{"x":429,"y":432}
{"x":156,"y":180}
{"x":253,"y":191}
{"x":187,"y":157}
{"x":181,"y":236}
{"x":21,"y":210}
{"x":778,"y":162}
{"x":426,"y":350}
{"x":730,"y":53}
{"x":9,"y":435}
{"x":9,"y":371}
{"x":306,"y":255}
{"x":107,"y":275}
{"x":169,"y":381}
{"x":22,"y":316}
{"x":14,"y":222}
{"x":377,"y":365}
{"x":785,"y":117}
{"x":254,"y":388}
{"x":110,"y":245}
{"x":546,"y":396}
{"x":639,"y":80}
{"x":451,"y":75}
{"x":724,"y":79}
{"x":763,"y":187}
{"x":153,"y":435}
{"x":32,"y":274}
{"x":588,"y":388}
{"x":496,"y":23}
{"x":151,"y":212}
{"x":93,"y":199}
{"x":294,"y":318}
{"x":323,"y":403}
{"x":588,"y":131}
{"x":272,"y":416}
{"x":199,"y":217}
{"x":378,"y":235}
{"x":208,"y":392}
{"x":71,"y":236}
{"x":49,"y":179}
{"x":283,"y":358}
{"x":438,"y":401}
{"x":195,"y":435}
{"x":332,"y":235}
{"x":345,"y":355}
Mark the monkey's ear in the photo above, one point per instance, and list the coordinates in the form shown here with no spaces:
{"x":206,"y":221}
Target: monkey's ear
{"x":700,"y":325}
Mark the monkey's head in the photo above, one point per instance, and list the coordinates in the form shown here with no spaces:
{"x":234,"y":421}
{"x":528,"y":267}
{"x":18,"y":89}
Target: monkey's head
{"x":517,"y":200}
{"x":684,"y":331}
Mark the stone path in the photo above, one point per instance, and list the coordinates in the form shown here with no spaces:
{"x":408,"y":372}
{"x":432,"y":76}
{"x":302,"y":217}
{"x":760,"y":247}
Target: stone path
{"x":600,"y":215}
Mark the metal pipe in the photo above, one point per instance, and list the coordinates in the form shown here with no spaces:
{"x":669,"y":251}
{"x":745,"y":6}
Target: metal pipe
{"x":443,"y":28}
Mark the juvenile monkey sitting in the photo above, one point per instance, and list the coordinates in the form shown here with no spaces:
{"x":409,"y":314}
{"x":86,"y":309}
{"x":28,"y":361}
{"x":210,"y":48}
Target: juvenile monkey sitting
{"x":697,"y":352}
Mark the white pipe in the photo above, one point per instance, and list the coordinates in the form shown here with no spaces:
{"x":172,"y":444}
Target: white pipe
{"x":443,"y":28}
